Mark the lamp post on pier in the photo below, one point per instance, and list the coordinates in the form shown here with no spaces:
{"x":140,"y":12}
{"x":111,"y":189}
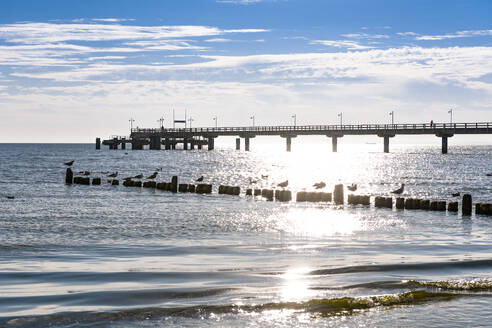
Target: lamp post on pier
{"x":215,"y":119}
{"x":161,"y":122}
{"x":190,"y":120}
{"x":131,"y":120}
{"x":341,"y":118}
{"x":253,"y":118}
{"x":392,"y":114}
{"x":450,"y":112}
{"x":295,"y":119}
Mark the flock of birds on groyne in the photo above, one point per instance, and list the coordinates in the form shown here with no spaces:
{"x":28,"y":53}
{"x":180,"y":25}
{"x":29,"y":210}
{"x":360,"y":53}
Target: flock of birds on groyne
{"x":284,"y":195}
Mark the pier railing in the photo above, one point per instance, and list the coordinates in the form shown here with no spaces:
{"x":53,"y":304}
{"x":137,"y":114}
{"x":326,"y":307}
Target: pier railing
{"x":426,"y":127}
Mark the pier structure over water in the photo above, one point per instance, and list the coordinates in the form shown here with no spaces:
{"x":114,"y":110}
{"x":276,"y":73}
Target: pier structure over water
{"x":199,"y":137}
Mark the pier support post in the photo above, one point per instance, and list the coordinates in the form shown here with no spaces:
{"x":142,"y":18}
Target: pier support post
{"x":115,"y":143}
{"x":246,"y":144}
{"x":211,"y":143}
{"x":444,"y":141}
{"x":334,"y":144}
{"x":185,"y":143}
{"x":444,"y":146}
{"x":137,"y":145}
{"x":199,"y":146}
{"x":98,"y":143}
{"x":155,"y":142}
{"x":238,"y":143}
{"x":386,"y":137}
{"x":288,"y":143}
{"x":167,"y":144}
{"x":123,"y":143}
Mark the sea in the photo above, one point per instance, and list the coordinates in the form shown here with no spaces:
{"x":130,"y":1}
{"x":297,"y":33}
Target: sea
{"x":115,"y":256}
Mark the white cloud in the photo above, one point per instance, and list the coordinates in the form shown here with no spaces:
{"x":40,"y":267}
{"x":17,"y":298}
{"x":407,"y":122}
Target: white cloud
{"x":365,"y":36}
{"x":40,"y":33}
{"x":112,"y":20}
{"x":459,"y":34}
{"x":407,"y":33}
{"x":351,"y":45}
{"x":218,"y":40}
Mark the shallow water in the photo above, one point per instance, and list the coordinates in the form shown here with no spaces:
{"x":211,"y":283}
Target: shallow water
{"x":124,"y":257}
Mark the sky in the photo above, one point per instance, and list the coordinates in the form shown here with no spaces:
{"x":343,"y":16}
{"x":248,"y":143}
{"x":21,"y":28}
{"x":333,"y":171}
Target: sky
{"x":71,"y":71}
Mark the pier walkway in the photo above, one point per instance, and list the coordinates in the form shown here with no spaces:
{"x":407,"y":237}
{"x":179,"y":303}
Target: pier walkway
{"x":191,"y":137}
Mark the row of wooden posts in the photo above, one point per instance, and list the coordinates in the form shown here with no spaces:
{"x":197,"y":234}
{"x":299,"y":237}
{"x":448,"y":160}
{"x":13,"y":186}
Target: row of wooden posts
{"x":283,"y":195}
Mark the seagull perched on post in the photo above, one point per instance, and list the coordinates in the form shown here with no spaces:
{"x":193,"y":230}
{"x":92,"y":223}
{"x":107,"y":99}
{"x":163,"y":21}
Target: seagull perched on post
{"x":319,"y":185}
{"x":69,"y":163}
{"x":153,"y":176}
{"x":283,"y":184}
{"x":353,"y":187}
{"x":399,"y":190}
{"x":113,"y":175}
{"x":140,"y":176}
{"x":200,"y":179}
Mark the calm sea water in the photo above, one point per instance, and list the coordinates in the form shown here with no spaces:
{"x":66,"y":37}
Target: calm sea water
{"x":91,"y":256}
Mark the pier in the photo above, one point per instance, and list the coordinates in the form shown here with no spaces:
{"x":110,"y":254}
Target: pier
{"x":196,"y":138}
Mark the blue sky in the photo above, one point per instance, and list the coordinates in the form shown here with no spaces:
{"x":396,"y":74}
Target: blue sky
{"x":73,"y":70}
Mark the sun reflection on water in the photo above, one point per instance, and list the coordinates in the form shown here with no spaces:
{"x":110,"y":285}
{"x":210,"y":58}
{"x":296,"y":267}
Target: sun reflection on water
{"x":317,"y":222}
{"x":295,"y":286}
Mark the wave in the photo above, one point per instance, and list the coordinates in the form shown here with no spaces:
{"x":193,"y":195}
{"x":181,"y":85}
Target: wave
{"x":405,"y":267}
{"x":317,"y":307}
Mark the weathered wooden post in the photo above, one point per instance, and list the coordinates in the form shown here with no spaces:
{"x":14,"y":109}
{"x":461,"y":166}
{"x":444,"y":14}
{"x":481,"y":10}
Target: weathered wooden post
{"x":98,"y":143}
{"x":69,"y":176}
{"x":174,"y":184}
{"x":466,"y":205}
{"x":400,"y":203}
{"x":238,"y":143}
{"x":338,"y":194}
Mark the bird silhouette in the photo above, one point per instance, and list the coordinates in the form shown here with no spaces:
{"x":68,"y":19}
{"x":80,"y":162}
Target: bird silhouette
{"x":264,"y":176}
{"x":200,"y":179}
{"x":10,"y":197}
{"x":251,"y":181}
{"x":140,"y":176}
{"x":353,"y":187}
{"x":283,"y":184}
{"x":87,"y":173}
{"x":69,"y":163}
{"x":152,"y":176}
{"x":113,"y":175}
{"x":399,"y":190}
{"x":319,"y":185}
{"x":455,"y":194}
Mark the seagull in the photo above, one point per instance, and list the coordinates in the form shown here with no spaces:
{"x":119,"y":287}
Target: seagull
{"x":264,"y":176}
{"x":319,"y":185}
{"x":140,"y":176}
{"x":456,"y":194}
{"x":200,"y":179}
{"x":159,"y":169}
{"x":283,"y":184}
{"x":10,"y":197}
{"x":251,"y":181}
{"x":488,"y":174}
{"x":113,"y":175}
{"x":69,"y":163}
{"x":87,"y":173}
{"x":153,"y":176}
{"x":353,"y":187}
{"x":399,"y":190}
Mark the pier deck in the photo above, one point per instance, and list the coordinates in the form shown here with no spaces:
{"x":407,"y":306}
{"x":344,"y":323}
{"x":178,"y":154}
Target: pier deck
{"x":205,"y":136}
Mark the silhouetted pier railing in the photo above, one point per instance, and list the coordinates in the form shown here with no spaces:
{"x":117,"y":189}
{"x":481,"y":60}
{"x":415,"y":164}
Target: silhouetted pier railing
{"x":205,"y":135}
